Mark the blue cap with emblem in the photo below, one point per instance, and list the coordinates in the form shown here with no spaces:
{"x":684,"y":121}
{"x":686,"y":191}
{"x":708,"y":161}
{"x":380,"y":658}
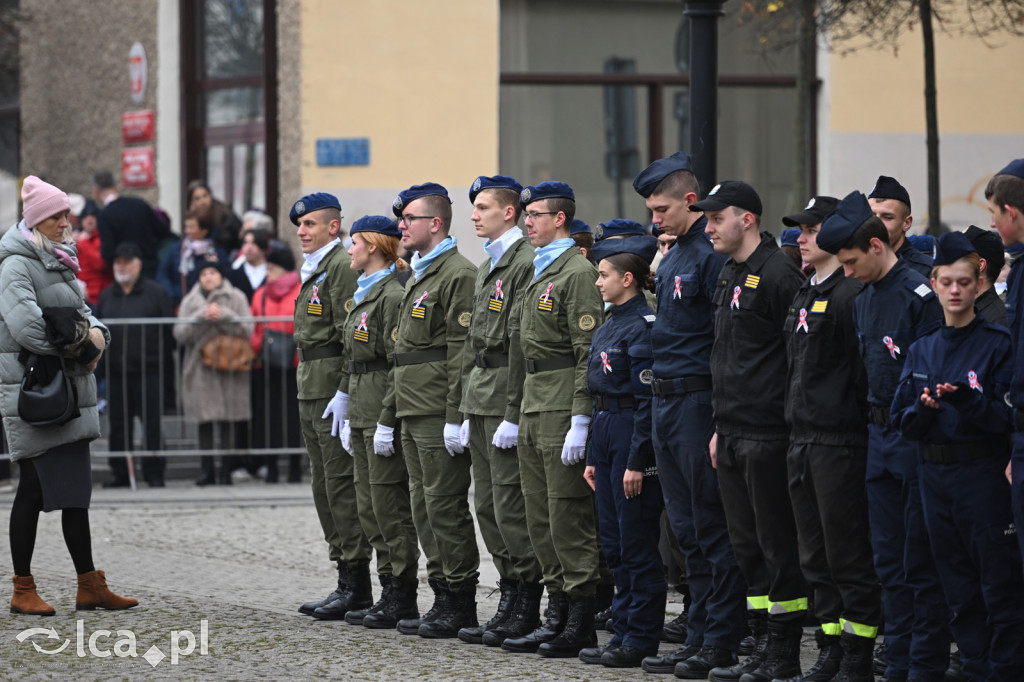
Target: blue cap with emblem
{"x":644,"y":246}
{"x":427,"y":189}
{"x":789,"y":237}
{"x":545,"y":190}
{"x":730,"y":193}
{"x":840,"y":224}
{"x":1015,"y":167}
{"x":889,"y":188}
{"x":312,"y":202}
{"x":377,"y":223}
{"x":951,"y":247}
{"x":649,"y":178}
{"x":578,"y":226}
{"x":619,"y":227}
{"x":495,"y":182}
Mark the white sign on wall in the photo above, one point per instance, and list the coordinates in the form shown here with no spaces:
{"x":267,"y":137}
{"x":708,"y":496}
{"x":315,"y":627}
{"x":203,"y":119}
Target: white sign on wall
{"x":137,"y":72}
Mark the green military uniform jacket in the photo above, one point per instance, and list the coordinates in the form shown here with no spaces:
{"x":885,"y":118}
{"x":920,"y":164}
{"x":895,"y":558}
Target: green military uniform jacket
{"x":368,"y":364}
{"x":485,"y":388}
{"x":320,"y":311}
{"x":559,"y":311}
{"x":432,"y":326}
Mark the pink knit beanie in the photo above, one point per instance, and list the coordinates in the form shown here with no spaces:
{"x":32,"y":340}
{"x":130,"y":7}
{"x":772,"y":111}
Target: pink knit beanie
{"x":40,"y":200}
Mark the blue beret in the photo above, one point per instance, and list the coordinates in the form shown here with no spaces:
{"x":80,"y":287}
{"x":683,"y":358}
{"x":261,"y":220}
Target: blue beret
{"x":840,"y":224}
{"x":888,"y":188}
{"x":312,"y":202}
{"x":427,"y":189}
{"x":788,"y":237}
{"x":578,"y":226}
{"x":618,"y":228}
{"x":730,"y":193}
{"x":1015,"y":167}
{"x":951,"y":247}
{"x":814,"y":212}
{"x":545,"y":190}
{"x":651,"y":177}
{"x":644,"y":246}
{"x":496,"y":182}
{"x":376,"y":223}
{"x":989,"y":246}
{"x":925,"y":243}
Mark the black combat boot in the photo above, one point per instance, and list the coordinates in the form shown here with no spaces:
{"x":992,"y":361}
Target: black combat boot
{"x":758,"y":622}
{"x":857,"y":662}
{"x":830,"y":654}
{"x":509,"y":594}
{"x":401,"y":605}
{"x":783,"y":657}
{"x":675,"y":630}
{"x":359,"y":596}
{"x":698,"y":666}
{"x":459,"y":612}
{"x":578,"y":633}
{"x":523,"y":619}
{"x":411,"y":626}
{"x":343,"y":579}
{"x":554,"y":622}
{"x":355,"y":617}
{"x":666,"y":664}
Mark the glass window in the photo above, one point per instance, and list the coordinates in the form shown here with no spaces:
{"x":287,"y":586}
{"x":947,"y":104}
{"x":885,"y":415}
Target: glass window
{"x":232,"y":38}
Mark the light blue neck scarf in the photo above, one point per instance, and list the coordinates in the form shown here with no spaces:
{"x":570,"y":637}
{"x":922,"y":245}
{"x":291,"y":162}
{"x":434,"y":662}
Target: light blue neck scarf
{"x":497,"y":248}
{"x":546,"y":255}
{"x":419,"y":264}
{"x":367,"y":282}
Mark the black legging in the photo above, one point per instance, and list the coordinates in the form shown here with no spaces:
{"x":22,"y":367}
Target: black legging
{"x":28,"y":502}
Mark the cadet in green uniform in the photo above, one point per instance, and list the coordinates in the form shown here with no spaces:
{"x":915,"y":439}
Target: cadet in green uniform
{"x":381,"y":479}
{"x":500,"y":510}
{"x":324,"y":300}
{"x":559,"y":311}
{"x":426,"y":394}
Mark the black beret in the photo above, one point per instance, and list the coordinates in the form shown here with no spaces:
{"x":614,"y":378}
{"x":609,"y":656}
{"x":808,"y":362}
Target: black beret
{"x":649,"y":178}
{"x":889,"y":188}
{"x":840,"y":224}
{"x":989,"y":246}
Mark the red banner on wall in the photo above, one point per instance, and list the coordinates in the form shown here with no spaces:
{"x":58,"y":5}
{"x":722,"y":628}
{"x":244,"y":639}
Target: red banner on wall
{"x":137,"y":126}
{"x":137,"y":167}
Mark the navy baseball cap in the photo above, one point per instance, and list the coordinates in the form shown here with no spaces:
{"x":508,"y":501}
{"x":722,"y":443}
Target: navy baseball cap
{"x":644,"y":246}
{"x":618,"y":228}
{"x":427,"y":189}
{"x":814,"y":212}
{"x":312,"y":202}
{"x":1015,"y":167}
{"x":840,"y":224}
{"x":545,"y":190}
{"x":376,"y":223}
{"x":989,"y":246}
{"x":494,"y":182}
{"x":578,"y":226}
{"x":730,"y":193}
{"x":889,"y":188}
{"x":951,"y":247}
{"x":789,"y":237}
{"x":649,"y":178}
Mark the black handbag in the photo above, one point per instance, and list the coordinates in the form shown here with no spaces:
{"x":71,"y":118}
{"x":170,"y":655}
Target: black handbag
{"x":48,"y":396}
{"x":278,"y":349}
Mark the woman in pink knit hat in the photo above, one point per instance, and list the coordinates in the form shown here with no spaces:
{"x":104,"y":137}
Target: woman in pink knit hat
{"x":43,"y":317}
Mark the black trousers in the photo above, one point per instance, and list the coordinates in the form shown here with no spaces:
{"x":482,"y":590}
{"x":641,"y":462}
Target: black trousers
{"x":129,"y":397}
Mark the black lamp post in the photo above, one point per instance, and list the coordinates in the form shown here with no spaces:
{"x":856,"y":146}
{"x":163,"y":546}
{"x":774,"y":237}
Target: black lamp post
{"x":703,"y":16}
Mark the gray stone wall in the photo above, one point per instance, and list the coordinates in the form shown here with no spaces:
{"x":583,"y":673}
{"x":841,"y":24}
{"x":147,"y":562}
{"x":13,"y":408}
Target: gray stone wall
{"x":74,"y":87}
{"x":289,"y":108}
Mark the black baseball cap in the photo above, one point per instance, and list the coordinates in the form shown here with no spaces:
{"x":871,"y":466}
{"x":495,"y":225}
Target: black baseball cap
{"x":730,"y":193}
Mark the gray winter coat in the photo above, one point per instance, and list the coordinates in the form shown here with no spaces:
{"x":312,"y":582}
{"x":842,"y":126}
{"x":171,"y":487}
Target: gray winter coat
{"x":209,"y":394}
{"x":32,"y":279}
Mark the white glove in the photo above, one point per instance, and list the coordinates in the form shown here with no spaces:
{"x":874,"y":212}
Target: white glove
{"x":452,"y":440}
{"x":338,"y":408}
{"x":384,"y":440}
{"x":346,"y":438}
{"x":464,"y":434}
{"x":507,"y":435}
{"x":575,"y":447}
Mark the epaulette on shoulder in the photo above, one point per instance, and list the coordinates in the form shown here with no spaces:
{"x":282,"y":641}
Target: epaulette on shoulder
{"x":920,"y":288}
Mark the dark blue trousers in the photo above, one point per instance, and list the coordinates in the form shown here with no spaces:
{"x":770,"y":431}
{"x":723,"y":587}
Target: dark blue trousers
{"x":914,"y":606}
{"x":630,"y":531}
{"x":683,"y":427}
{"x":1017,"y":486}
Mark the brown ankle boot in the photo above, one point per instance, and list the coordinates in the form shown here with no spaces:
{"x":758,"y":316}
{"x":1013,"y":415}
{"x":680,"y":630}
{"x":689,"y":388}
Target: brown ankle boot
{"x":93,"y":593}
{"x":25,"y":599}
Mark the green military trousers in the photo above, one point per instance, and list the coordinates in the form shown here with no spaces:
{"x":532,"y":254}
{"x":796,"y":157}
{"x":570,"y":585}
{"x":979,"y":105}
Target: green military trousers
{"x":334,"y":494}
{"x":559,"y":506}
{"x":439,"y":490}
{"x":382,"y":495}
{"x":500,"y":508}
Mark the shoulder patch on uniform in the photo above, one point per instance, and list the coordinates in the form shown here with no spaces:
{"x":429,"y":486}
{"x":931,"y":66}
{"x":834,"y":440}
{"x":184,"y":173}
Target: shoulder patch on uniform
{"x":587,"y":322}
{"x":752,"y":281}
{"x":465,"y":318}
{"x":922,"y":290}
{"x":394,"y":333}
{"x":647,"y":376}
{"x":650,"y":318}
{"x":349,"y":304}
{"x":819,"y":306}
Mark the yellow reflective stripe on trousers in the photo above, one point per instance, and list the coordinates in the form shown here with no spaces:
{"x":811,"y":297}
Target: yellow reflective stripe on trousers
{"x":760,"y":603}
{"x":858,"y":629}
{"x":832,"y":629}
{"x":791,"y":606}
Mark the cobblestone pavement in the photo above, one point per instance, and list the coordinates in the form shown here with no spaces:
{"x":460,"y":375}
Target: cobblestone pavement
{"x":239,"y":559}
